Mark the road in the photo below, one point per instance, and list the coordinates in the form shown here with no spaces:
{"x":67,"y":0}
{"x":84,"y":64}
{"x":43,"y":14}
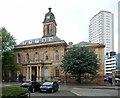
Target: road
{"x":63,"y":91}
{"x":59,"y":93}
{"x":82,"y":92}
{"x":77,"y":91}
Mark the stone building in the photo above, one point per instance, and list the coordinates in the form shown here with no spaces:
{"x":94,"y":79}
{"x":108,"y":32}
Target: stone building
{"x":39,"y":59}
{"x":99,"y":50}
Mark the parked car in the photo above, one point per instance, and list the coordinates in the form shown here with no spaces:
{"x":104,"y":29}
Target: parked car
{"x":117,"y":80}
{"x":32,"y":86}
{"x":105,"y":78}
{"x":49,"y":87}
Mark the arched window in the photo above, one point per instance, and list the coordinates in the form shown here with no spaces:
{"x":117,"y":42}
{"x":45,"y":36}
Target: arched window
{"x":27,"y":58}
{"x":46,"y":55}
{"x":56,"y":72}
{"x":46,"y":72}
{"x":48,"y":29}
{"x":56,"y":55}
{"x":36,"y":56}
{"x":18,"y":58}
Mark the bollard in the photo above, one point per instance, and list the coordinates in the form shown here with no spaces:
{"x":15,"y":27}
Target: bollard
{"x":29,"y":94}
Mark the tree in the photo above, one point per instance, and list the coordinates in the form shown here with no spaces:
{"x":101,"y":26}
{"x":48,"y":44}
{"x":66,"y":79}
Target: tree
{"x":80,"y":60}
{"x":8,"y":43}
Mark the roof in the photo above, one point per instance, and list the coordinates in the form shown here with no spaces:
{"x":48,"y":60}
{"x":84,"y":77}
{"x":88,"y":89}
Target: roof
{"x":84,"y":43}
{"x":40,"y":40}
{"x":99,"y":13}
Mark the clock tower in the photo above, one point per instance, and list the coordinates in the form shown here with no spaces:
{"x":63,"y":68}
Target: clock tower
{"x":49,"y":24}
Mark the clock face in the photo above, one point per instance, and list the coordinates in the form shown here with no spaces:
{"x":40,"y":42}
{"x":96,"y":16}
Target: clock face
{"x":48,"y":17}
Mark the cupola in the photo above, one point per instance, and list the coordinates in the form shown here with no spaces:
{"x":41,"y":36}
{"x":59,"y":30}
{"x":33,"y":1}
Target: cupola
{"x":49,"y":24}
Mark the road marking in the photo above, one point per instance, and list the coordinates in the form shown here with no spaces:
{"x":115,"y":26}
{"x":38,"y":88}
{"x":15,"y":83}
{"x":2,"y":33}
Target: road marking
{"x":75,"y":93}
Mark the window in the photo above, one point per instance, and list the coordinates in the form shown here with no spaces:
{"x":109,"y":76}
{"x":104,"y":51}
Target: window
{"x":50,"y":39}
{"x":46,"y":55}
{"x":56,"y":55}
{"x":36,"y":56}
{"x":36,"y":41}
{"x":24,"y":42}
{"x":27,"y":57}
{"x":18,"y":58}
{"x":44,"y":40}
{"x":47,"y":29}
{"x":30,"y":42}
{"x":56,"y":72}
{"x":46,"y":72}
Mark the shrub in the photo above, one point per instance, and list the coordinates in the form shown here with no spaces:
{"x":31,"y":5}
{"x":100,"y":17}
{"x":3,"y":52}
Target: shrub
{"x":13,"y":92}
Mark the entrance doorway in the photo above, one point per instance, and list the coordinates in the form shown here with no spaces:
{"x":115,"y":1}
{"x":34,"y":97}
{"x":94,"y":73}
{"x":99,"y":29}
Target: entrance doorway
{"x":34,"y":73}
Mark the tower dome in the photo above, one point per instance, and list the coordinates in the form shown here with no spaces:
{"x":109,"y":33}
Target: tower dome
{"x":49,"y":17}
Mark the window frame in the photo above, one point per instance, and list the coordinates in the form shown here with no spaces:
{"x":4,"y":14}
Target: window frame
{"x":36,"y":56}
{"x":18,"y":58}
{"x":46,"y":55}
{"x":27,"y":57}
{"x":56,"y":55}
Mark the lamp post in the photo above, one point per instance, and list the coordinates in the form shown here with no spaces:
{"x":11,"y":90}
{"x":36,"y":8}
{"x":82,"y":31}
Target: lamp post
{"x":65,"y":78}
{"x":113,"y":77}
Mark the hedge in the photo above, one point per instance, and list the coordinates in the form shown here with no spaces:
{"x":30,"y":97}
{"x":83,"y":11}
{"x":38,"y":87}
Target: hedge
{"x":13,"y":92}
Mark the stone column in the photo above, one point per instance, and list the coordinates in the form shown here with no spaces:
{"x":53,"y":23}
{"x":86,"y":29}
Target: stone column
{"x":27,"y":73}
{"x":37,"y":72}
{"x":30,"y":72}
{"x":40,"y":75}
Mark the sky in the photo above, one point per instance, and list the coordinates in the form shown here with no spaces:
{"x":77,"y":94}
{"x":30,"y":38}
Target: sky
{"x":23,"y":18}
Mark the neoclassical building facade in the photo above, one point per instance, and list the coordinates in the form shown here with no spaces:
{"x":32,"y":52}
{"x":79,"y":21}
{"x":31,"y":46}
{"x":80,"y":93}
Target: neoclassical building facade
{"x":40,"y":59}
